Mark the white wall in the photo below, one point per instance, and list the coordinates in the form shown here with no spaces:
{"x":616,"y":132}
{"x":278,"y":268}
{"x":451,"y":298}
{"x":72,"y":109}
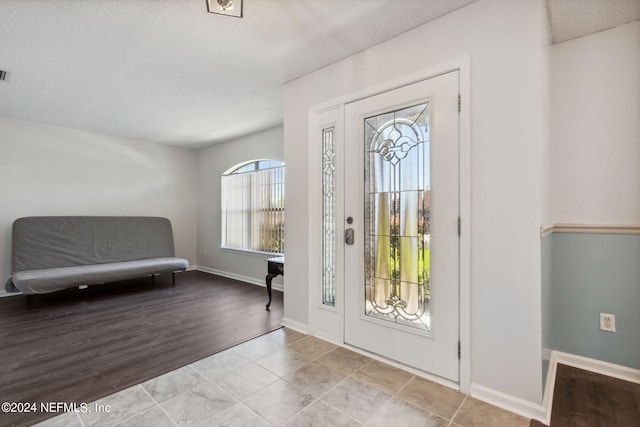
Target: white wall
{"x":212,"y":163}
{"x":46,"y":170}
{"x":506,"y":43}
{"x":595,"y":125}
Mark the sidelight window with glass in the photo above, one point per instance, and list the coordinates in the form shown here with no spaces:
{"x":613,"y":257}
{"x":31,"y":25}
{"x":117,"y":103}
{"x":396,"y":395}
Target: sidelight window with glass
{"x":328,"y":218}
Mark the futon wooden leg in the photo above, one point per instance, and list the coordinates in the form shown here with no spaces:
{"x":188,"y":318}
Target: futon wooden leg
{"x":173,"y":279}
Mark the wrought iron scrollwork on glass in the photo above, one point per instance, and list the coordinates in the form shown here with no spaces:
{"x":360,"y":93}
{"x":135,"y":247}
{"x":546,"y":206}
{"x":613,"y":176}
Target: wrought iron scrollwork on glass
{"x":328,"y":218}
{"x":397,"y":216}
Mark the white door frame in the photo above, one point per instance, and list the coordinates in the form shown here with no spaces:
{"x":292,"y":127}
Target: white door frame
{"x":328,"y":322}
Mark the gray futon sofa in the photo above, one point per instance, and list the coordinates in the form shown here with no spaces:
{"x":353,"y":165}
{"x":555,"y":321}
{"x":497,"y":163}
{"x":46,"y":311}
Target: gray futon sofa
{"x":58,"y":252}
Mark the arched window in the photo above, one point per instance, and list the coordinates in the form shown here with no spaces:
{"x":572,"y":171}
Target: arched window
{"x":253,"y":207}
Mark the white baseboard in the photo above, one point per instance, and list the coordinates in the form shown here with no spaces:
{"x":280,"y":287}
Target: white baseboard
{"x":543,"y":412}
{"x":510,"y":403}
{"x":296,"y":326}
{"x":593,"y":365}
{"x":329,"y":338}
{"x":598,"y":366}
{"x":549,"y":386}
{"x":247,"y":279}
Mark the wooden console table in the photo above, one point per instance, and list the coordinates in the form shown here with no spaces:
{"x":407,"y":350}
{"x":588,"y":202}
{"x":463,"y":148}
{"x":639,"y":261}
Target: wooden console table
{"x":275,"y":267}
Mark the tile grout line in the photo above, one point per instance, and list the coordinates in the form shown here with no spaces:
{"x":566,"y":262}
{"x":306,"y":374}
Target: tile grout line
{"x":238,"y":401}
{"x":397,"y":394}
{"x":159,"y":405}
{"x":130,"y":416}
{"x":210,"y":380}
{"x":287,"y":347}
{"x":321,"y":354}
{"x":241,"y":401}
{"x":455,"y":414}
{"x":257,"y":414}
{"x":306,"y":361}
{"x":331,"y":388}
{"x":155,"y":402}
{"x":430,"y":412}
{"x":243,"y":366}
{"x":317,"y":398}
{"x":77,"y":416}
{"x":284,"y":346}
{"x":350,"y":375}
{"x":199,"y":374}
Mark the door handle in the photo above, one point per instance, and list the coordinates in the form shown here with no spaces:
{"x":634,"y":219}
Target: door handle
{"x":348,"y":236}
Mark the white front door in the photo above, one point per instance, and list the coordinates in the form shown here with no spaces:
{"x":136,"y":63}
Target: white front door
{"x":401,"y":179}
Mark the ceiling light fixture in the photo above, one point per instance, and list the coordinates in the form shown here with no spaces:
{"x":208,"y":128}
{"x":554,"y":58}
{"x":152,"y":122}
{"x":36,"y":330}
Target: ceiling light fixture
{"x":225,"y":7}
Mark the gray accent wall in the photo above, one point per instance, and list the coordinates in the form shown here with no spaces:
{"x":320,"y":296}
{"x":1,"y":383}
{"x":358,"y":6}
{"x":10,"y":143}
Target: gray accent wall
{"x":585,"y":275}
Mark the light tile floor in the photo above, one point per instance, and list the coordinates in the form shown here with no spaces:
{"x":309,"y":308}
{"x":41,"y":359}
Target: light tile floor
{"x":289,"y":379}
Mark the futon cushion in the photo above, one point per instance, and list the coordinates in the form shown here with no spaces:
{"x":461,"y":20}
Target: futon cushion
{"x":53,"y":279}
{"x":66,"y":241}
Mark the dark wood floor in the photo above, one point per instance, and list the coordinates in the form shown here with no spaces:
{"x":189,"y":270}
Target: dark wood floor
{"x":586,"y":399}
{"x":79,"y":346}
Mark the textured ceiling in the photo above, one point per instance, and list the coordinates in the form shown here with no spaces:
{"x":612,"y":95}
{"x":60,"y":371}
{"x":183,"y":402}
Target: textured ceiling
{"x":166,"y":71}
{"x":576,"y":18}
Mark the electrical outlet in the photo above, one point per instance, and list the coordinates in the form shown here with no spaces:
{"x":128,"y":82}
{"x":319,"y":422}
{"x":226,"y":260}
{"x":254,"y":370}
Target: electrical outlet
{"x":607,"y":322}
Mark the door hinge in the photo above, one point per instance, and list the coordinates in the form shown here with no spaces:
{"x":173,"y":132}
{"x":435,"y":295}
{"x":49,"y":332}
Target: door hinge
{"x":459,"y":226}
{"x":458,"y":350}
{"x":459,"y":103}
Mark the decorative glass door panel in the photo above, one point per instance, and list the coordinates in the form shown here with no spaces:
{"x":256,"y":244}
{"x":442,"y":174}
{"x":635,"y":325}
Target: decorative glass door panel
{"x":397,"y":216}
{"x":401,"y":192}
{"x":328,"y":218}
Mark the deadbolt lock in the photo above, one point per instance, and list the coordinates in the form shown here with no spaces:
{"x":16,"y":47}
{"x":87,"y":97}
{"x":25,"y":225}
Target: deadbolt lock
{"x":348,"y":236}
